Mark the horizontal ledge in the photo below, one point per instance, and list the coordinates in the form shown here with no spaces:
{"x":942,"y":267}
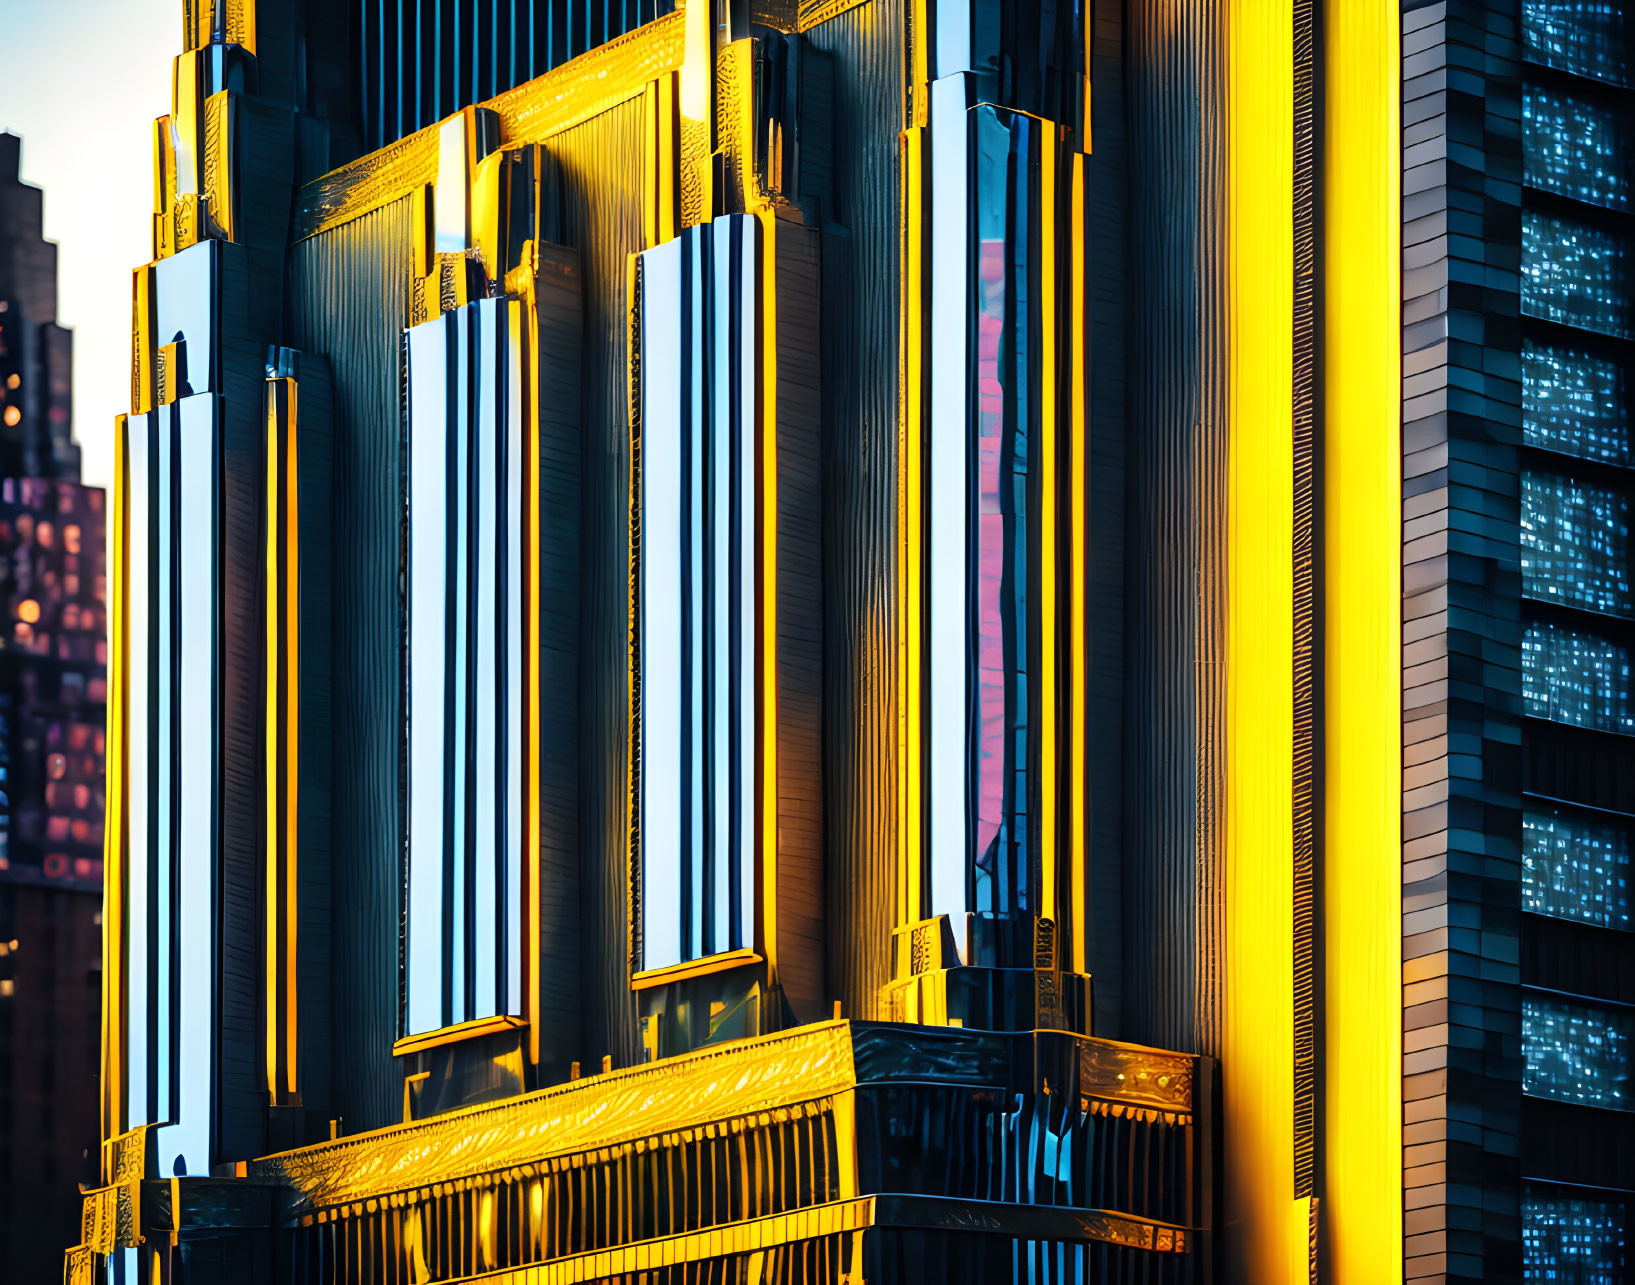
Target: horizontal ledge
{"x":462,"y":1031}
{"x":651,"y":977}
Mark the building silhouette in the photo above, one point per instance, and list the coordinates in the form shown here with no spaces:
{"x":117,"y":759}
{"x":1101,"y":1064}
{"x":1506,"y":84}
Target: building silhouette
{"x":53,"y":602}
{"x":878,"y":640}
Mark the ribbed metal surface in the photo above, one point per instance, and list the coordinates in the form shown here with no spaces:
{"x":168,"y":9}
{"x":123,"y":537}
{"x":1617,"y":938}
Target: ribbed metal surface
{"x":1304,"y":819}
{"x":420,"y":60}
{"x":801,"y":934}
{"x":1176,"y":526}
{"x":861,"y":304}
{"x":349,"y":294}
{"x":599,"y":166}
{"x":1105,"y":178}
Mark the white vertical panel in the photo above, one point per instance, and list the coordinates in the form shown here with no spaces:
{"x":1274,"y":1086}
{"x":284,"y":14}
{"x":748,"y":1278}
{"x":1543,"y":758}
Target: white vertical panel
{"x":693,"y":430}
{"x":725,"y":341}
{"x":663,"y":427}
{"x":458,"y":434}
{"x":947,"y":732}
{"x":428,"y":656}
{"x":164,"y":783}
{"x":139,"y":734}
{"x":514,"y":835}
{"x":185,"y":1148}
{"x":486,"y":784}
{"x":748,"y":308}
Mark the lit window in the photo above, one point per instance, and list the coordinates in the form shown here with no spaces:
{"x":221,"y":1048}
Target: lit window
{"x":1568,"y":1239}
{"x":1575,"y":147}
{"x":1588,"y":37}
{"x":1574,"y":273}
{"x":1575,"y":543}
{"x":1575,"y":866}
{"x":1575,"y":677}
{"x":1577,"y":1052}
{"x":1574,"y":401}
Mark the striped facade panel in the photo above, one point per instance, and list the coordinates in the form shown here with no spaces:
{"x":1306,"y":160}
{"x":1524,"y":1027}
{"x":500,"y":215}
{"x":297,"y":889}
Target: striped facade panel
{"x":465,"y":719}
{"x":173,"y":472}
{"x":860,"y":352}
{"x":1461,"y":641}
{"x":696,"y":650}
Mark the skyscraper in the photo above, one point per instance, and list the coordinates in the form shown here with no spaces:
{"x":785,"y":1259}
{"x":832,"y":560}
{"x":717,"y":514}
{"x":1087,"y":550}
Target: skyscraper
{"x":53,"y":599}
{"x":881,"y":640}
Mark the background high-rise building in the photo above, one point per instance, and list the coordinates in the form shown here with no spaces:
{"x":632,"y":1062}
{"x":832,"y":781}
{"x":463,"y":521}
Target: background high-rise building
{"x":876,"y":640}
{"x":53,"y":622}
{"x":36,"y":354}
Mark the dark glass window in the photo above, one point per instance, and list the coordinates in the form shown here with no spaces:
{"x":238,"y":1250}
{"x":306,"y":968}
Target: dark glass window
{"x":1574,"y":273}
{"x":1575,"y":865}
{"x":1587,"y":37}
{"x":1575,"y":677}
{"x":1577,"y":1052}
{"x":1570,"y":1239}
{"x":1574,"y":401}
{"x":1575,"y":146}
{"x":1575,"y":543}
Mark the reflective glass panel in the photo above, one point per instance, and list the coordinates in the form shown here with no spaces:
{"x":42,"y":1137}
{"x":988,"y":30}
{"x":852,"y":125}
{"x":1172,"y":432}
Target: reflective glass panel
{"x":1575,"y":677}
{"x":696,"y":615}
{"x":1575,"y":865}
{"x":1587,"y":37}
{"x":1574,"y":401}
{"x":1574,"y":273}
{"x":1577,"y":1052}
{"x":1571,"y":1239}
{"x":1575,"y":543}
{"x":1576,"y":147}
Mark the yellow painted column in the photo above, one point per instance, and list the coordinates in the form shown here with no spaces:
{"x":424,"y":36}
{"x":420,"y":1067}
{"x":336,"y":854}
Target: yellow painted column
{"x":1265,"y":1228}
{"x":1361,"y":489}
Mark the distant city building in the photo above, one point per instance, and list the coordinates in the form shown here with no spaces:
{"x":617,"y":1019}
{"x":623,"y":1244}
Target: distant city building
{"x":53,"y":706}
{"x":36,"y":354}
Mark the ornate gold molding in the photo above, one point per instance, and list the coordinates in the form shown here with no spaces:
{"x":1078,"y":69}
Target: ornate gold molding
{"x":712,"y":1084}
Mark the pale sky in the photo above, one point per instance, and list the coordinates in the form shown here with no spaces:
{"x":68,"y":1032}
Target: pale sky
{"x":83,"y":82}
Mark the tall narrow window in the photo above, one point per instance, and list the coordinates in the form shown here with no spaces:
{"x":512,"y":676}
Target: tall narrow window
{"x":464,"y":680}
{"x":697,"y":550}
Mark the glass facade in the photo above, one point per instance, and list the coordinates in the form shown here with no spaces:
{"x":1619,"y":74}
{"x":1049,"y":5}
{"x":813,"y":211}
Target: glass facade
{"x":1586,"y":37}
{"x":464,"y":752}
{"x":1575,"y":401}
{"x":1575,"y":865}
{"x":1572,"y":1239}
{"x":1575,"y":273}
{"x":1575,"y":677}
{"x":696,"y":595}
{"x":1581,"y":1053}
{"x":1575,"y":146}
{"x":1575,"y":543}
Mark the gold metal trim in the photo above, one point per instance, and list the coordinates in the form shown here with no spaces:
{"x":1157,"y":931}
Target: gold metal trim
{"x":477,"y":1026}
{"x":719,"y":1082}
{"x":648,"y":978}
